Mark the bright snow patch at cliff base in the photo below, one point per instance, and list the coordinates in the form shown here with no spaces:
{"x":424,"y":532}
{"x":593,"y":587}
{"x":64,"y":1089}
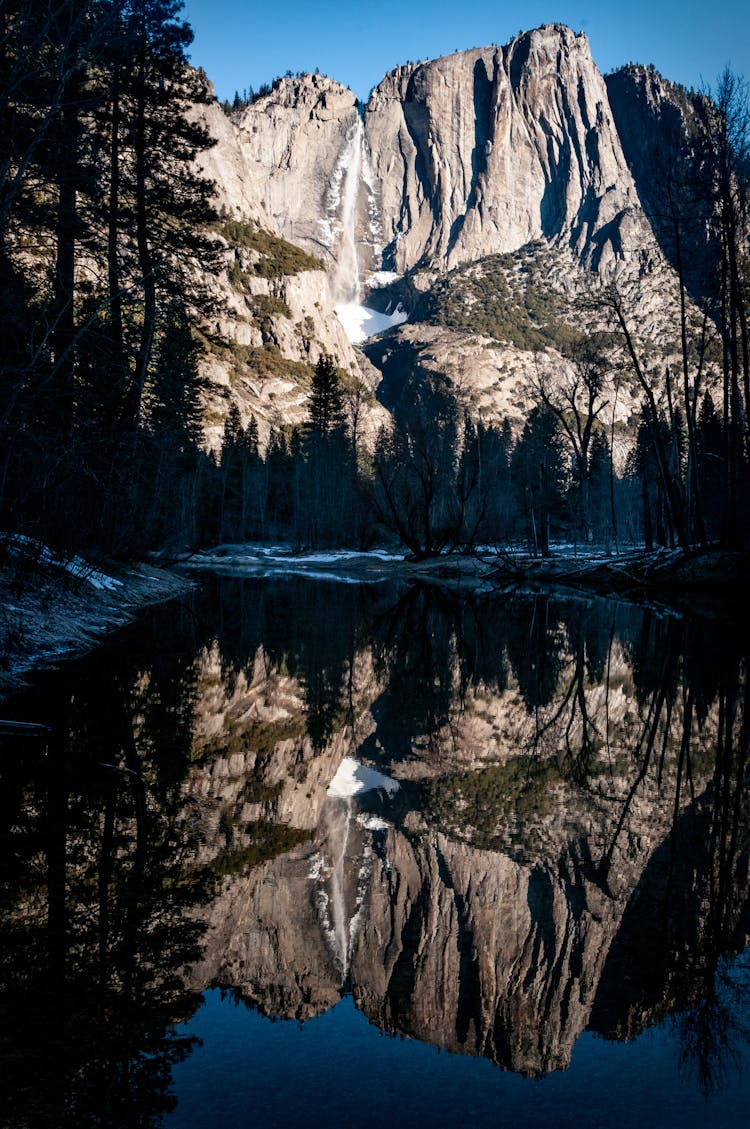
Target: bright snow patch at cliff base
{"x":353,"y":779}
{"x":361,"y":322}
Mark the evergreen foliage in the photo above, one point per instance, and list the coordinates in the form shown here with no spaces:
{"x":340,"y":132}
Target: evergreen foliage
{"x":99,"y":411}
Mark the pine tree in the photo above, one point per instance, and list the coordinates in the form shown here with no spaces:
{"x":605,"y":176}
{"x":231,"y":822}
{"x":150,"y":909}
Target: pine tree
{"x":539,"y":474}
{"x":326,"y":403}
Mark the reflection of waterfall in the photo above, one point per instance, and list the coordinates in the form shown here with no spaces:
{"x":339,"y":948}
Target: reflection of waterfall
{"x":339,"y":922}
{"x":339,"y":871}
{"x":342,"y":867}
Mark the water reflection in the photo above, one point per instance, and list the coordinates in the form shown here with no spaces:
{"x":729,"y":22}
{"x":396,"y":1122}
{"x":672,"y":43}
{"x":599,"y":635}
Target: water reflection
{"x":567,"y":850}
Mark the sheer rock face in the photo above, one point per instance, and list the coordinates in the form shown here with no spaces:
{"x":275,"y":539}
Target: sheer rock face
{"x":477,"y":152}
{"x":292,"y":140}
{"x":666,"y":135}
{"x":471,"y":155}
{"x":486,"y":150}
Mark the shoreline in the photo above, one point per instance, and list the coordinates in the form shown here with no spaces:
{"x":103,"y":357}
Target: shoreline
{"x":719,"y":573}
{"x":50,"y":615}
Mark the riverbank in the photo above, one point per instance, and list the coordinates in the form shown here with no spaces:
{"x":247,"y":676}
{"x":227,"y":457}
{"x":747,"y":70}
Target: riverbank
{"x":707,"y":581}
{"x":53,"y":609}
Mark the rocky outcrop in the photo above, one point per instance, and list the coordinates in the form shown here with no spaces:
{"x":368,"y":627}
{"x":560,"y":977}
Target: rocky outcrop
{"x":291,"y":144}
{"x":486,"y":150}
{"x":477,"y":152}
{"x":665,"y":132}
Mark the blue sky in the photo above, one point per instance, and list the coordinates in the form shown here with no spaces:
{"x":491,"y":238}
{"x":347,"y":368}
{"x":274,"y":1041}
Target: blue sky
{"x":242,"y":44}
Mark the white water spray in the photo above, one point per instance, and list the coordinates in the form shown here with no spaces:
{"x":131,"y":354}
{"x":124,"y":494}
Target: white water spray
{"x":346,"y":280}
{"x":343,"y":866}
{"x":346,"y":234}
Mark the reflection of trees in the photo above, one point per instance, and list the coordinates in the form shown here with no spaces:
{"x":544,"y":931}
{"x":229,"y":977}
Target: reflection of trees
{"x":97,"y":893}
{"x":414,"y":651}
{"x":310,"y":630}
{"x":691,"y":907}
{"x":579,"y":735}
{"x":712,"y":1032}
{"x":534,"y":643}
{"x":623,"y":720}
{"x":105,"y":833}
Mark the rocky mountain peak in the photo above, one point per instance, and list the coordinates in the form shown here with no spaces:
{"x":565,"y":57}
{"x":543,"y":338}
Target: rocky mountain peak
{"x":476,"y":155}
{"x":317,"y":94}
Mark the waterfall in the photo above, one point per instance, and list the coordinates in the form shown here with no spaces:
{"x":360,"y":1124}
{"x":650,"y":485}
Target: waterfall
{"x":346,"y":279}
{"x":343,"y":233}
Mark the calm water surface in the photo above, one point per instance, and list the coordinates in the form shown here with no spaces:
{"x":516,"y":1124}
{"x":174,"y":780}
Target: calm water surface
{"x":210,"y":917}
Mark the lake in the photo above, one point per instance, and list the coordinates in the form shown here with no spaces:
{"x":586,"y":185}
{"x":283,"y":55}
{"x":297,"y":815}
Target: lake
{"x":303,"y":851}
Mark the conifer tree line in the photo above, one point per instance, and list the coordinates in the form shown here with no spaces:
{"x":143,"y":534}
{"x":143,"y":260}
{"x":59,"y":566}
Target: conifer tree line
{"x":437,"y":480}
{"x":102,"y":223}
{"x":440,"y":480}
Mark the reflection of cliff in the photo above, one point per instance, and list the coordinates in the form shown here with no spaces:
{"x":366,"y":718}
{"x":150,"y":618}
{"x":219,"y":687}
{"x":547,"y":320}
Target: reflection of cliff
{"x":491,"y":906}
{"x":567,"y":849}
{"x":454,"y":945}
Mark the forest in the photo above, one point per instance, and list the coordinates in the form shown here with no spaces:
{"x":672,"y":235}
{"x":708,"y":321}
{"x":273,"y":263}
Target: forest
{"x":104,"y":224}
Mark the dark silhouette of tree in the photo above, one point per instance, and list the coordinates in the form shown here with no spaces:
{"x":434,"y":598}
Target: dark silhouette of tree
{"x":326,"y":467}
{"x":326,"y":402}
{"x":422,"y":490}
{"x":538,"y":472}
{"x":576,"y":399}
{"x":97,"y":162}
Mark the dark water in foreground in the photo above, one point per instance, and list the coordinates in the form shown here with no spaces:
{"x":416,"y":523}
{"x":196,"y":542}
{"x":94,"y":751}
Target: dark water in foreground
{"x":545,"y":923}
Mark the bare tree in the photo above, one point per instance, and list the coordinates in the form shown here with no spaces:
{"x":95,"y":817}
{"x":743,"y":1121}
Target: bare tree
{"x":575,"y":398}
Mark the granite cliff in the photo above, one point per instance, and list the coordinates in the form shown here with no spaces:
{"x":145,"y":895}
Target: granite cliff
{"x":522,"y":151}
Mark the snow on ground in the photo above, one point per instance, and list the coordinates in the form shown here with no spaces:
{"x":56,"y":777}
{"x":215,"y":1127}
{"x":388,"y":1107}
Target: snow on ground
{"x":353,"y":779}
{"x":51,"y":616}
{"x":372,"y":822}
{"x":281,"y":560}
{"x":19,"y":545}
{"x":345,"y":555}
{"x":361,"y":322}
{"x":251,"y":552}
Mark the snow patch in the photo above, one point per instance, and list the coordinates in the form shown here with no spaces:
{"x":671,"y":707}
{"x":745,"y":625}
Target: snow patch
{"x":75,"y":566}
{"x":354,"y":779}
{"x":382,"y":278}
{"x":361,"y":322}
{"x":372,"y":822}
{"x":248,"y":555}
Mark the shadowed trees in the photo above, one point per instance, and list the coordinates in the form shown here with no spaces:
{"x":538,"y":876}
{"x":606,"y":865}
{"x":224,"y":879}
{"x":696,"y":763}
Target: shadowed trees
{"x":103,"y":223}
